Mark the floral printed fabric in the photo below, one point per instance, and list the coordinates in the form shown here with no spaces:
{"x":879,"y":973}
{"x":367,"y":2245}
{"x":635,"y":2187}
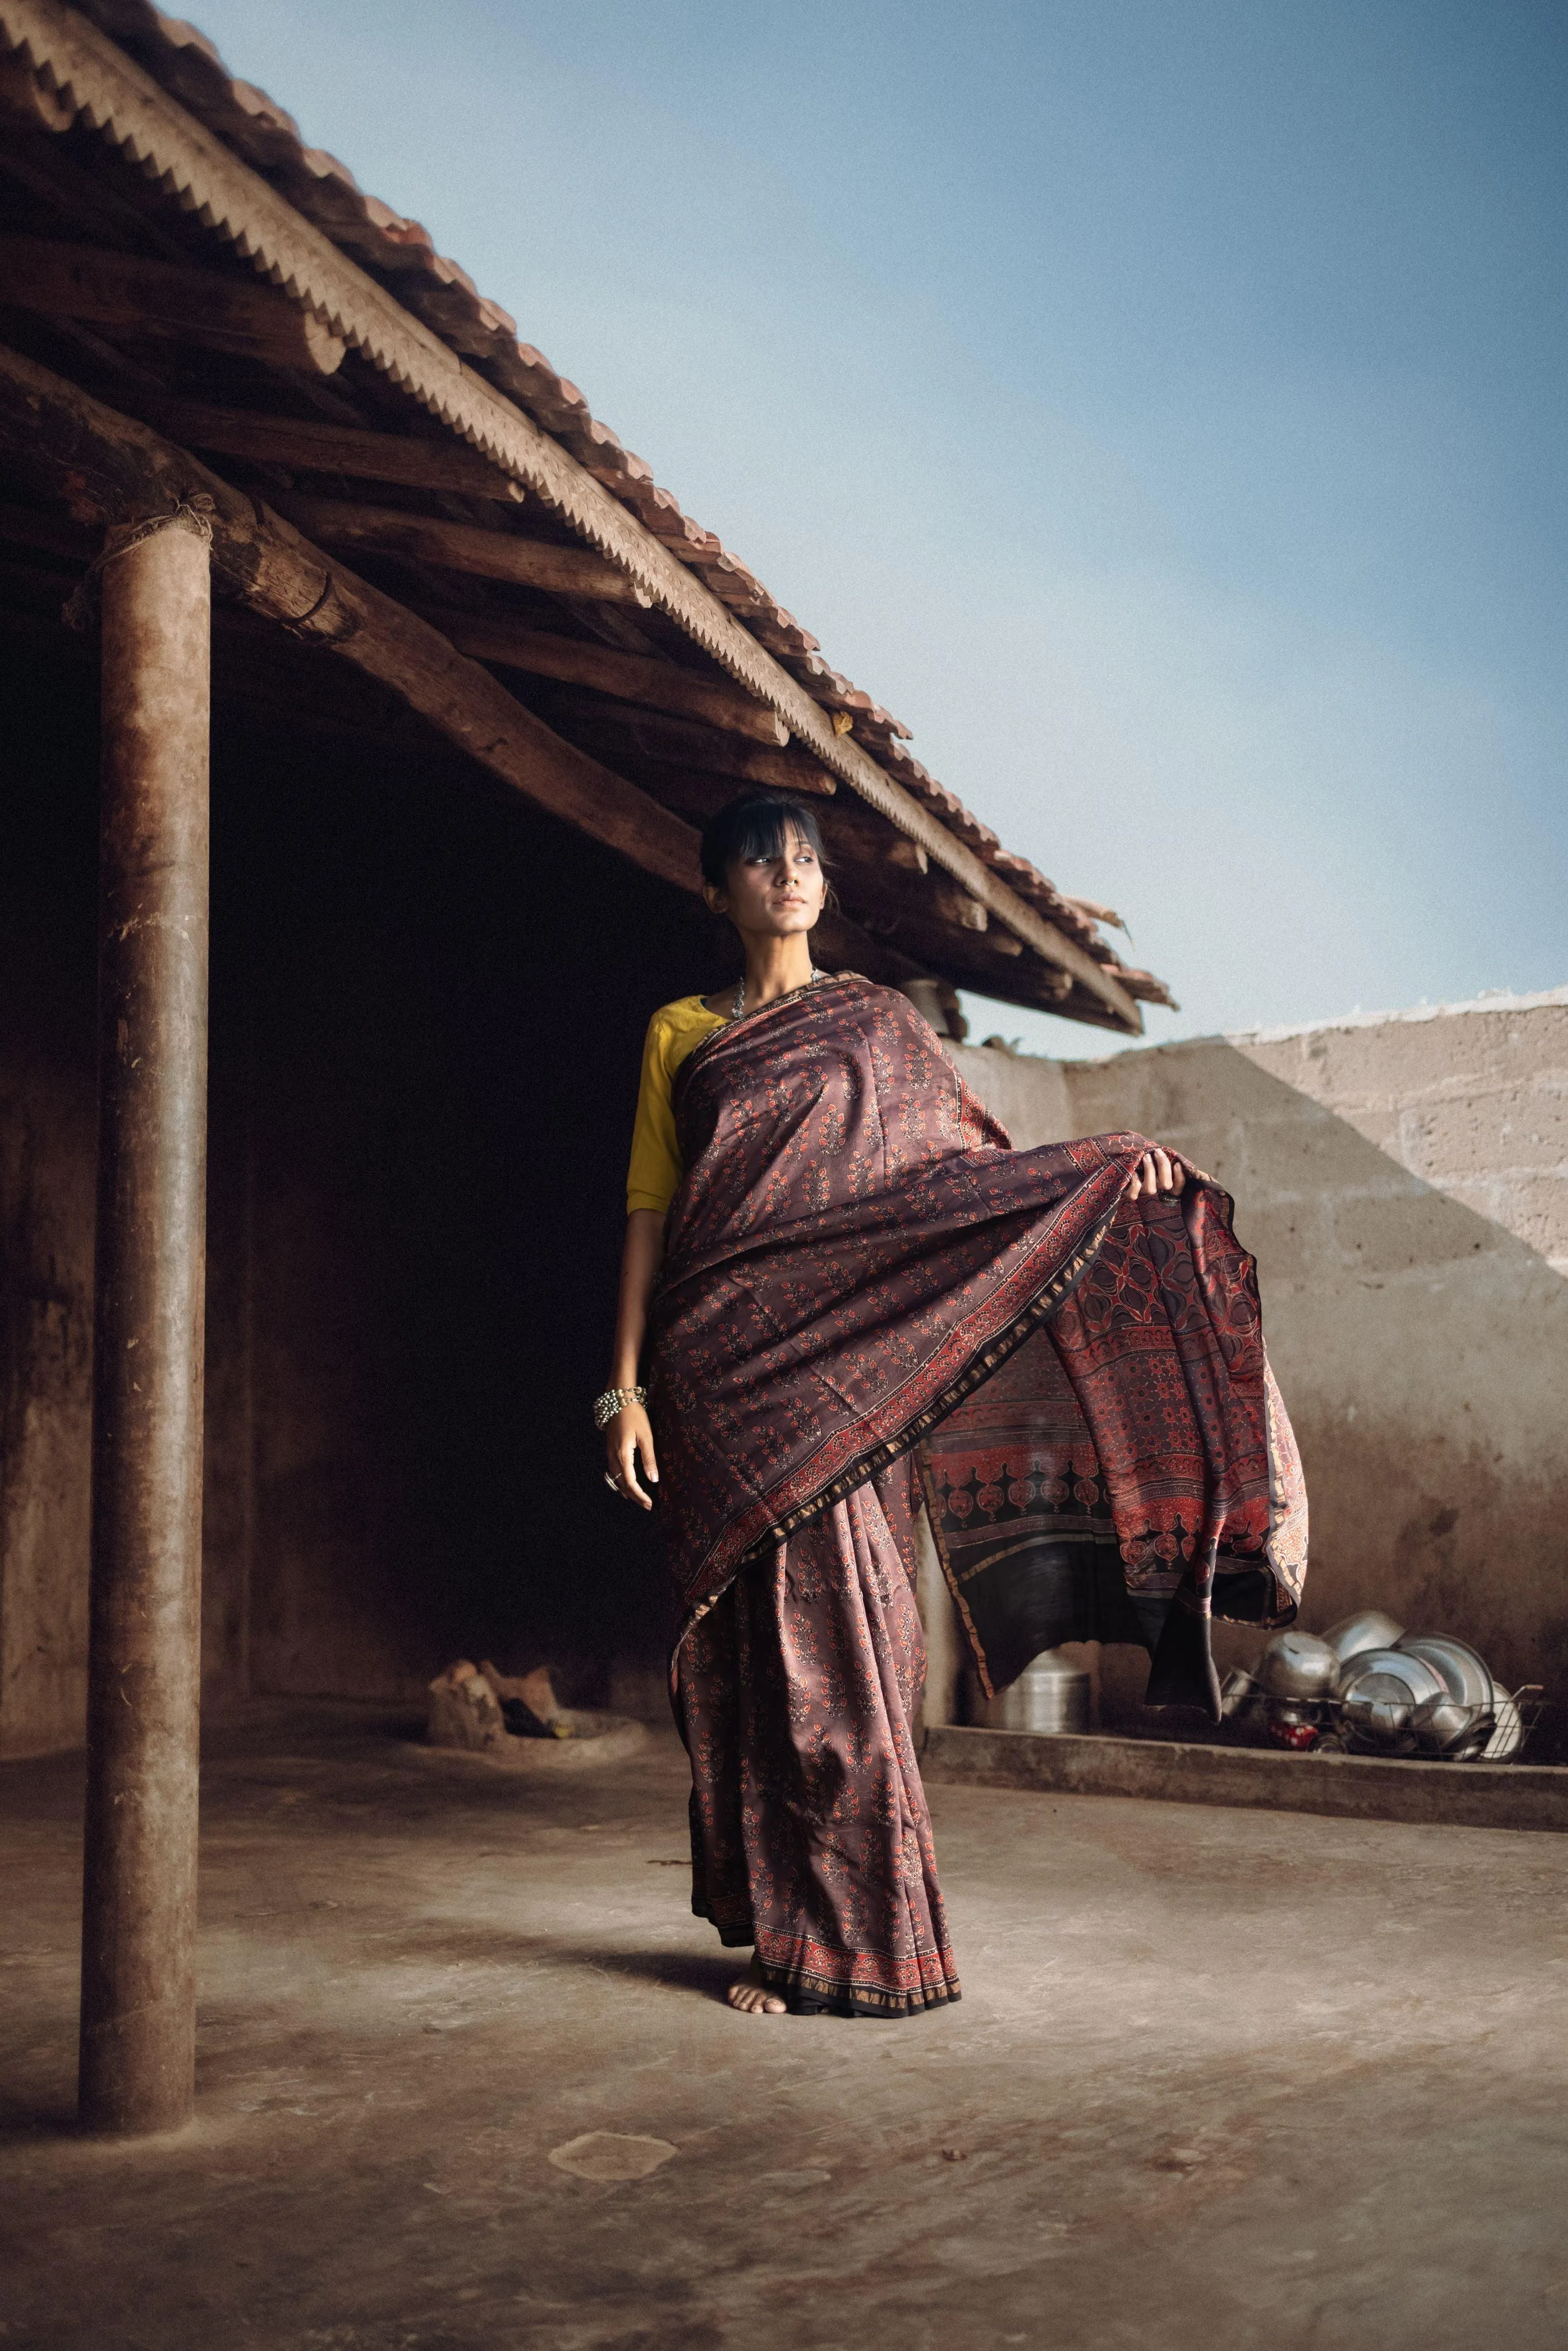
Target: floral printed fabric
{"x":856,"y":1254}
{"x":810,"y":1834}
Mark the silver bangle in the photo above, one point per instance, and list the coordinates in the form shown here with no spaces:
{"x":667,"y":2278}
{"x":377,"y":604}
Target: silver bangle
{"x":614,"y":1400}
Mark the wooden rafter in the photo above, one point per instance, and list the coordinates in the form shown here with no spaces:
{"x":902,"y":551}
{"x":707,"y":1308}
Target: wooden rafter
{"x":678,"y":743}
{"x":126,"y":293}
{"x":306,"y":446}
{"x":94,"y":79}
{"x":629,"y":677}
{"x":462,"y":546}
{"x":106,"y":468}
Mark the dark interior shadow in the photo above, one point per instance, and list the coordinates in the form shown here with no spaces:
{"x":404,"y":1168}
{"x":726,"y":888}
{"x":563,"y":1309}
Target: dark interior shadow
{"x":28,"y":2118}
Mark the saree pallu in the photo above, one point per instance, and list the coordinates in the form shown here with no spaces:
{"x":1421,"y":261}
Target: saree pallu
{"x":859,"y":1267}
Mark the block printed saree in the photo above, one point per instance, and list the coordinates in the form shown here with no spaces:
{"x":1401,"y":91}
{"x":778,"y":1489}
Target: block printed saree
{"x":858,"y":1268}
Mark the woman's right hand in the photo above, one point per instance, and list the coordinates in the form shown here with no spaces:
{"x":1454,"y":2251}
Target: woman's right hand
{"x":628,"y":1434}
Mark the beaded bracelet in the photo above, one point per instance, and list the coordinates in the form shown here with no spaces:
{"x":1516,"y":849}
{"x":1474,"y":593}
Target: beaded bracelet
{"x":614,"y":1400}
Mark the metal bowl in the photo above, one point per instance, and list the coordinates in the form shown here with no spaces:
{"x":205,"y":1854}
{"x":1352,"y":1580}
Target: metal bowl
{"x":1460,"y":1725}
{"x":1296,"y":1664}
{"x":1368,"y":1629}
{"x":1453,"y":1730}
{"x":1383,"y":1697}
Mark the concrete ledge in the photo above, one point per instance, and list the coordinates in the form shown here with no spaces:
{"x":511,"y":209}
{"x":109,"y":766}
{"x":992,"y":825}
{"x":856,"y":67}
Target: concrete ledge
{"x":1169,"y":1771}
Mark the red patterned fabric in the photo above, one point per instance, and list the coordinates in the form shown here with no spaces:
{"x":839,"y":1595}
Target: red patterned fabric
{"x":810,"y":1834}
{"x":855,"y":1251}
{"x":851,"y":1247}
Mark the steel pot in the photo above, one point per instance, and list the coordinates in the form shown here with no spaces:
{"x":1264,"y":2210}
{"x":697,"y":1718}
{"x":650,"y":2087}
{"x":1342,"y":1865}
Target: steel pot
{"x":1460,"y":1725}
{"x":1368,"y":1629}
{"x":1050,"y":1695}
{"x":1296,"y":1664}
{"x":1240,"y":1696}
{"x":1384,"y":1697}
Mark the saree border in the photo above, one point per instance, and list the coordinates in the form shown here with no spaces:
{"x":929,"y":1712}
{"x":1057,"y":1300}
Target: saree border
{"x":988,"y":1357}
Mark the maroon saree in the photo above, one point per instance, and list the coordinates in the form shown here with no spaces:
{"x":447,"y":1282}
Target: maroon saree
{"x":858,"y":1267}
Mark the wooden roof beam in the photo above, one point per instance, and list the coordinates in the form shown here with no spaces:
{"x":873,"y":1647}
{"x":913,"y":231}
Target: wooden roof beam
{"x":304,"y":446}
{"x":106,"y":468}
{"x":677,"y":743}
{"x":629,"y":677}
{"x":91,"y":74}
{"x":124,"y":293}
{"x":462,"y":546}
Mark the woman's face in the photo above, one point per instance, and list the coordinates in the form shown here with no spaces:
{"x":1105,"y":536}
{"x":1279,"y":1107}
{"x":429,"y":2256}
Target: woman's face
{"x":773,"y":897}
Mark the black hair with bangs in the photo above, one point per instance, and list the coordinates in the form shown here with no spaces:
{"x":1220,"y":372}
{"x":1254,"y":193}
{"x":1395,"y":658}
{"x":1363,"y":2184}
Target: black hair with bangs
{"x":757,"y":824}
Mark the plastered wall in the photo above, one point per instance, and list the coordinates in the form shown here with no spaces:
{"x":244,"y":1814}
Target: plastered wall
{"x":1404,"y":1185}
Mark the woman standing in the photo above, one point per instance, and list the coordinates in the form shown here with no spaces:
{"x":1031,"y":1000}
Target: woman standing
{"x":831,"y":1253}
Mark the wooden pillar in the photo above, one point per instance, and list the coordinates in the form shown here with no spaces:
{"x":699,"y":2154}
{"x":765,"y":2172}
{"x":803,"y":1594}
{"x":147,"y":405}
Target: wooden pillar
{"x":137,"y":2009}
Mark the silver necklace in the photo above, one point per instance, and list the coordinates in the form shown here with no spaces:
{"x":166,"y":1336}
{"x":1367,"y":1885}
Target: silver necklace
{"x":738,"y":1006}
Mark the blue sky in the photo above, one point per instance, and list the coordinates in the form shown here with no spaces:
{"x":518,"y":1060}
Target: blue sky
{"x":1161,"y":409}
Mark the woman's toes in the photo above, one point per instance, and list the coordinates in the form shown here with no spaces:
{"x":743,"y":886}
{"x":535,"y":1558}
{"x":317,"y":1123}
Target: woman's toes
{"x":754,"y":1998}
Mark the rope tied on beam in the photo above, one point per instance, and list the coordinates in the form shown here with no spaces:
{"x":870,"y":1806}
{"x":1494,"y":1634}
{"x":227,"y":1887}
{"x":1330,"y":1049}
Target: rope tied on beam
{"x":83,"y":608}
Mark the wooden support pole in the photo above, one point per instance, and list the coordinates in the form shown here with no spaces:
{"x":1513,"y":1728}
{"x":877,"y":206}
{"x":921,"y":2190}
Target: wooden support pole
{"x":138,"y":1996}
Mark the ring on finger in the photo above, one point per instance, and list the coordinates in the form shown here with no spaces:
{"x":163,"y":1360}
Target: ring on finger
{"x":612,"y":1481}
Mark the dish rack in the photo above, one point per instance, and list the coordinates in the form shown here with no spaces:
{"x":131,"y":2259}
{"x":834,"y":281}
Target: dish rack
{"x":1316,"y":1726}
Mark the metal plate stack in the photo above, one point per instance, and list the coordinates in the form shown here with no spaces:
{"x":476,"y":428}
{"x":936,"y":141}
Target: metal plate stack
{"x":1368,"y":1685}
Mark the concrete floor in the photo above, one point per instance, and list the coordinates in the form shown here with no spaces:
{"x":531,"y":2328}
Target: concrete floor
{"x":1219,"y":2080}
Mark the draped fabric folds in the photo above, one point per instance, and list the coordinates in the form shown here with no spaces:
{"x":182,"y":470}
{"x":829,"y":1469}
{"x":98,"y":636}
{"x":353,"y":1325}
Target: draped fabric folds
{"x":810,"y":1839}
{"x":854,"y":1256}
{"x":861,"y":1279}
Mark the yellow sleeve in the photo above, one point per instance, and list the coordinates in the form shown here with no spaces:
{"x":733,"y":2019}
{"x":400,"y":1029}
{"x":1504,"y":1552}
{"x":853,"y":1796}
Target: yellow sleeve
{"x":654,"y":1177}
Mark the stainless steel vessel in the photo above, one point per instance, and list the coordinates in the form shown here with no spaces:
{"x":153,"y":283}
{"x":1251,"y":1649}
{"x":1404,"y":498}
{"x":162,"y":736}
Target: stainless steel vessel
{"x":1369,"y":1628}
{"x":1296,"y":1664}
{"x":1050,"y":1695}
{"x":1459,"y":1726}
{"x":1508,"y":1734}
{"x":1240,"y":1696}
{"x":1385,"y":1696}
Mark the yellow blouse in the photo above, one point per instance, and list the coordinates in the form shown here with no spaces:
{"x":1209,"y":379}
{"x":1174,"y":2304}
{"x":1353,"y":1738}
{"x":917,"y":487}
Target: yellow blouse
{"x":674,"y":1032}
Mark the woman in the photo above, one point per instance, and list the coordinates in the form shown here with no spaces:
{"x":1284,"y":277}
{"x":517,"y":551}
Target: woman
{"x":836,"y":1266}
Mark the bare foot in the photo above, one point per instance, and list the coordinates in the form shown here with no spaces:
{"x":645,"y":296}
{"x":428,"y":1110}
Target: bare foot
{"x":751,"y":1995}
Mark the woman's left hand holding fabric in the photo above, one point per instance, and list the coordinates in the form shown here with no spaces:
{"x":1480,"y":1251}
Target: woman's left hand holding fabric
{"x":1155,"y":1172}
